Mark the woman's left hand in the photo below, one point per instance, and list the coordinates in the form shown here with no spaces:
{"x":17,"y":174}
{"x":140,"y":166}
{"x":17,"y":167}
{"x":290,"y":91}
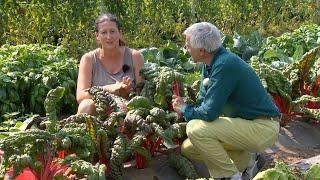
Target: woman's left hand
{"x":127,"y":80}
{"x":126,"y":86}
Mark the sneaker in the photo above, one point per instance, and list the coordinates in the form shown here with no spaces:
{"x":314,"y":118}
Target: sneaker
{"x":236,"y":176}
{"x":255,"y":165}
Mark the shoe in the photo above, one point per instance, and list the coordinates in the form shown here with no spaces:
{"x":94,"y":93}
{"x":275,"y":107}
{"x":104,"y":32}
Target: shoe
{"x":256,"y":163}
{"x":236,"y":176}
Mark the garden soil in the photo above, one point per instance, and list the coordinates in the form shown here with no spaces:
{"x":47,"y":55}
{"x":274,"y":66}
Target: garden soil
{"x":298,"y":146}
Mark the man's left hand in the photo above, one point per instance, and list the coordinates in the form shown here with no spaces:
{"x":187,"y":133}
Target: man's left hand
{"x":177,"y":103}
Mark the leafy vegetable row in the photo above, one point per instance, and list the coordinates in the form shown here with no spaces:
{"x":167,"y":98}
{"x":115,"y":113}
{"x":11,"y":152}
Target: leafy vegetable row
{"x":28,"y":72}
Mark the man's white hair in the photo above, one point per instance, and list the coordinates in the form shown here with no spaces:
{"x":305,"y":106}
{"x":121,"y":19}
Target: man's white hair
{"x":204,"y":35}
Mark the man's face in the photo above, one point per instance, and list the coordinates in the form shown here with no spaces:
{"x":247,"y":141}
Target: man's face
{"x":194,"y":52}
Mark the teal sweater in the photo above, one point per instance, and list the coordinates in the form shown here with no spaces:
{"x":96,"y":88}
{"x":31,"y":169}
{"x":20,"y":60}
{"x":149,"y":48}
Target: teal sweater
{"x":233,"y":90}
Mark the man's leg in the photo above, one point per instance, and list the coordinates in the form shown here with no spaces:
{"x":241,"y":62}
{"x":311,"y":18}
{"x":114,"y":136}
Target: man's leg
{"x":239,"y":157}
{"x":208,"y":138}
{"x":189,"y":151}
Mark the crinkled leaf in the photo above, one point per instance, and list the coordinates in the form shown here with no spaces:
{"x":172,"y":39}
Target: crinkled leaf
{"x":307,"y":61}
{"x":313,"y":172}
{"x":298,"y":53}
{"x":139,"y":102}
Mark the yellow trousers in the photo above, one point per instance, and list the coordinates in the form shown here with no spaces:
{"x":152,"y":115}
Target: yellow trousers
{"x":224,"y":145}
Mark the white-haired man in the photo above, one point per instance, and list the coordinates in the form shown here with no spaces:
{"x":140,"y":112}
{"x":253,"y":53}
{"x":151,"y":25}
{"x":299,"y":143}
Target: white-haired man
{"x":234,"y":117}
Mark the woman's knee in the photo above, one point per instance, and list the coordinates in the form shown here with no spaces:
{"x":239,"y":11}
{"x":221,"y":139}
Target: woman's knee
{"x":87,"y":106}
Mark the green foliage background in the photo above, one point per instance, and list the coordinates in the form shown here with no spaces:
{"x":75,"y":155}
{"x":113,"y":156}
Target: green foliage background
{"x":146,"y":23}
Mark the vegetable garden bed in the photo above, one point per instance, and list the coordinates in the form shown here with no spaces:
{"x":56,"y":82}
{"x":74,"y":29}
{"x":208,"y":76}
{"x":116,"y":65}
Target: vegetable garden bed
{"x":40,"y":79}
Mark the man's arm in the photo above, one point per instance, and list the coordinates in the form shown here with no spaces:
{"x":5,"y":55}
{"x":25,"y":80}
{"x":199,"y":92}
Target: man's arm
{"x":221,"y":84}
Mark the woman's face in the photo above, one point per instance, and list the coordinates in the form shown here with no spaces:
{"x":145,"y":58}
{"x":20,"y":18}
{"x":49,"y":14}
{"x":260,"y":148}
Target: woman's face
{"x":109,"y":35}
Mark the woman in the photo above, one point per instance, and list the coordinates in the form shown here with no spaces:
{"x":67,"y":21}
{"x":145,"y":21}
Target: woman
{"x":112,"y":66}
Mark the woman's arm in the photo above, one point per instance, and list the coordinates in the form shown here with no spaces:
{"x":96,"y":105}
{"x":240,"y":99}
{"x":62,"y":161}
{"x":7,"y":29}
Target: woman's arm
{"x":84,"y":77}
{"x":138,"y":63}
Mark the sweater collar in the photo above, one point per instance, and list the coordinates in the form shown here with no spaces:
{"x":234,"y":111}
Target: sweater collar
{"x":216,"y":53}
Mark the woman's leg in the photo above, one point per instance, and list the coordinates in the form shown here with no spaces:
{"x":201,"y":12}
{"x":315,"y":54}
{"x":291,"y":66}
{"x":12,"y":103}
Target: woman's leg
{"x":87,"y":106}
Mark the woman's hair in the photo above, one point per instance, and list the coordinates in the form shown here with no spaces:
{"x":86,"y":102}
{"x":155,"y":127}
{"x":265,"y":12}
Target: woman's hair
{"x":109,"y":17}
{"x":204,"y":35}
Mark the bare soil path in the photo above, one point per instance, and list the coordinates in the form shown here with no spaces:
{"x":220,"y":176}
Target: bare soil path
{"x":297,"y":141}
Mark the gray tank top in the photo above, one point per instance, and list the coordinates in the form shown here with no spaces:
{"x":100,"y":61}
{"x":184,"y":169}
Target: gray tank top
{"x":101,"y":77}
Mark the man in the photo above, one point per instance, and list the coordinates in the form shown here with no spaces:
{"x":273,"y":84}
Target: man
{"x":234,"y":117}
